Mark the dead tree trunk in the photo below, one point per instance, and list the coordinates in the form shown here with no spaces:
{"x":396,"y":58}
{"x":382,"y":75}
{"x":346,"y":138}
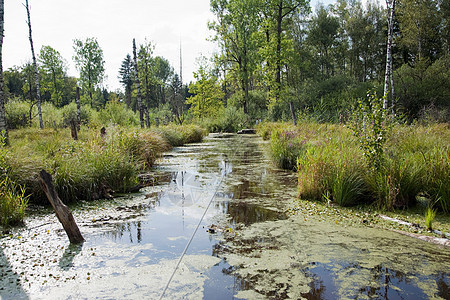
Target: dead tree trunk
{"x":62,"y":212}
{"x":36,"y":74}
{"x":3,"y":127}
{"x":73,"y":129}
{"x":77,"y":100}
{"x":138,"y":86}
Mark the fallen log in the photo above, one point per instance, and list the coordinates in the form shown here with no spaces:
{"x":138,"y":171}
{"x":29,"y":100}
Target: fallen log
{"x":62,"y":212}
{"x":247,"y":131}
{"x":426,"y":238}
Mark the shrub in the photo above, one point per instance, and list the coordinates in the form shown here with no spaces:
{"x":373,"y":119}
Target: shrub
{"x":17,"y":114}
{"x":229,"y":119}
{"x":69,"y":113}
{"x":117,"y":113}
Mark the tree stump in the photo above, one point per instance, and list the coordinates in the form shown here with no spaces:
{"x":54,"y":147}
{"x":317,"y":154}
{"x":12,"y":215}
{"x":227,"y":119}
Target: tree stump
{"x":73,"y":130}
{"x":62,"y":212}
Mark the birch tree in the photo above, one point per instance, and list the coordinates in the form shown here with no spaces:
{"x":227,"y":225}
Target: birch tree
{"x":138,"y":86}
{"x":389,"y":66}
{"x":36,"y":74}
{"x":3,"y":127}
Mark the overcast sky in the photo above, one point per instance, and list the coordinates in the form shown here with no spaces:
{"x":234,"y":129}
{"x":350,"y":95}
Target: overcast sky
{"x":114,"y":23}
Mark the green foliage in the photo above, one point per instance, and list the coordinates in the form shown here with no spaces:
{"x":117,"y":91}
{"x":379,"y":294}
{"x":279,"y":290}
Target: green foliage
{"x":69,"y":112}
{"x":92,"y":166}
{"x":371,"y":127}
{"x":229,"y":119}
{"x":89,"y":61}
{"x":117,"y":113}
{"x":180,"y":135}
{"x":424,"y":85}
{"x":207,"y":99}
{"x":53,"y":70}
{"x":17,"y":114}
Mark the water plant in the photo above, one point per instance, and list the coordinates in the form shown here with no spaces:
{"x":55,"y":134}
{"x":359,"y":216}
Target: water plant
{"x":430,"y":214}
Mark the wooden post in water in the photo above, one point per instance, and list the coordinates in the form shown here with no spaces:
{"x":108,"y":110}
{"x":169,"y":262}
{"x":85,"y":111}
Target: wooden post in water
{"x":62,"y":212}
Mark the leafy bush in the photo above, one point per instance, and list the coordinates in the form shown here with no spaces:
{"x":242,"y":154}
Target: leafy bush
{"x":69,"y":113}
{"x":117,"y":113}
{"x":17,"y":114}
{"x":229,"y":119}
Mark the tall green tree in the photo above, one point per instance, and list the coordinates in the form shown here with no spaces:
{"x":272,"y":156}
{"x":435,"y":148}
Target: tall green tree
{"x":208,"y":94}
{"x":89,"y":61}
{"x":140,"y":106}
{"x":13,"y":80}
{"x":163,"y":71}
{"x":53,"y":71}
{"x":126,"y":78}
{"x":236,"y":29}
{"x":323,"y":30}
{"x":279,"y":15}
{"x":146,"y":66}
{"x":419,"y":22}
{"x":177,"y":99}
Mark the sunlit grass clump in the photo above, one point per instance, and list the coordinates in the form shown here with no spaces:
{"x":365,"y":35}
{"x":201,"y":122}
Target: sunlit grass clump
{"x":95,"y":165}
{"x":332,"y":166}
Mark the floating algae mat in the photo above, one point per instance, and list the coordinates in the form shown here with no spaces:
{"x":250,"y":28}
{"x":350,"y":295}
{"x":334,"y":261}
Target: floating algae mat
{"x":246,"y":247}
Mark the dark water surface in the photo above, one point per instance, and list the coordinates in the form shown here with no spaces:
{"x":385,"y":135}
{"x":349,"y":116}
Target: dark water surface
{"x":254,"y":250}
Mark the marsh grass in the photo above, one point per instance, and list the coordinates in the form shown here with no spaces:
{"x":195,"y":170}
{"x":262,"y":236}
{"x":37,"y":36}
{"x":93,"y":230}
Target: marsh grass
{"x":92,"y":166}
{"x":13,"y":200}
{"x":330,"y":164}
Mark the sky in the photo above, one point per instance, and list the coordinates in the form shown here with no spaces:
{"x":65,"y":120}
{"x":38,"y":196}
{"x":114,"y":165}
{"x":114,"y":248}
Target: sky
{"x":114,"y":23}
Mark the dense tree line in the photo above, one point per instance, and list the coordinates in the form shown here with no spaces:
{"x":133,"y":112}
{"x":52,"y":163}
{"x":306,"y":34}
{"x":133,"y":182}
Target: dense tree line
{"x":278,"y":59}
{"x":323,"y":60}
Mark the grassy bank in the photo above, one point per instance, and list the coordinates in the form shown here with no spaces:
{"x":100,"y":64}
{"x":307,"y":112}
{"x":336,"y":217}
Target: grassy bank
{"x":332,"y":167}
{"x":91,"y":167}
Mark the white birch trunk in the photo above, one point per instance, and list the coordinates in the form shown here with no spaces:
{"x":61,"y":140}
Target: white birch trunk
{"x":389,"y":66}
{"x":3,"y":127}
{"x":138,"y":86}
{"x":36,"y":74}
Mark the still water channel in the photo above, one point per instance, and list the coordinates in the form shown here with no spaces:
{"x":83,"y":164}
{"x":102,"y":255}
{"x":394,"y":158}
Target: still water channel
{"x":246,"y":247}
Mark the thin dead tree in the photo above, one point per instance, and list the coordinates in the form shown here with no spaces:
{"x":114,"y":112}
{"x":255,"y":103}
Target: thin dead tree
{"x":36,"y":74}
{"x":138,"y":86}
{"x":389,"y":75}
{"x":3,"y":127}
{"x":78,"y":102}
